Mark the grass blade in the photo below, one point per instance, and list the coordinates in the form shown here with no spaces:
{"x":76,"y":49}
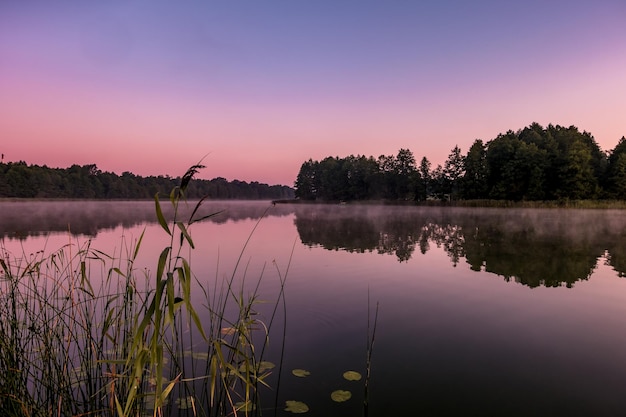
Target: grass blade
{"x":159,"y":214}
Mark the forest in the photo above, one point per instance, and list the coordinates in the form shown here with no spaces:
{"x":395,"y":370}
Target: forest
{"x":19,"y":180}
{"x":533,"y":164}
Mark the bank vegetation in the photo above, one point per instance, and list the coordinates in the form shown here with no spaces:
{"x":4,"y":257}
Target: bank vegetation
{"x":554,"y":165}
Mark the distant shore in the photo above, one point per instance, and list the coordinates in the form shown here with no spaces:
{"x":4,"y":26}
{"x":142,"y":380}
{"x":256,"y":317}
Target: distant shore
{"x":574,"y":204}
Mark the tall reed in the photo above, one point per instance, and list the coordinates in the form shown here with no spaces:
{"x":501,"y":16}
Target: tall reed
{"x":85,"y":332}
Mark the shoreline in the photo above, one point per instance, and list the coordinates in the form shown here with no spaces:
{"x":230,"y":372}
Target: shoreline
{"x":560,"y":204}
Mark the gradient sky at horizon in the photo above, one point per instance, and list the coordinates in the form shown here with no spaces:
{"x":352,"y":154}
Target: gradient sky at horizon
{"x":152,"y":86}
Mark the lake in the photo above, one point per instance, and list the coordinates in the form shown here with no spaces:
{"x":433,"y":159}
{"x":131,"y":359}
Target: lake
{"x":481,"y":312}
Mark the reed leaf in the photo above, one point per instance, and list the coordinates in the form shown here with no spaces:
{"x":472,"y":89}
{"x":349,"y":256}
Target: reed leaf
{"x":69,"y":347}
{"x":159,"y":214}
{"x":170,"y":296}
{"x":162,"y":261}
{"x":183,"y":231}
{"x":138,"y":244}
{"x":118,"y":408}
{"x":166,"y":392}
{"x":84,"y":279}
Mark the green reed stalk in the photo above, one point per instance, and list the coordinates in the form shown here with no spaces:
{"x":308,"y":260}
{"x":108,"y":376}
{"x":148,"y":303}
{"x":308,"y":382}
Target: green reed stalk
{"x":72,"y":344}
{"x":368,"y":361}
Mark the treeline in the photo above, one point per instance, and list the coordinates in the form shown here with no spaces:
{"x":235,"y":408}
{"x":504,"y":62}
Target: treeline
{"x":534,"y":163}
{"x":20,"y":180}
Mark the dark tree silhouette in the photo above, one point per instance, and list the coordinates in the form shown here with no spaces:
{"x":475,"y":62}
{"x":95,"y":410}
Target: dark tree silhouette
{"x":534,"y":163}
{"x":87,"y":181}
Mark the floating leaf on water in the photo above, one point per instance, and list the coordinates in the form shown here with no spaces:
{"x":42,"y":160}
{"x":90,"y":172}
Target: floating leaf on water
{"x":153,"y":381}
{"x":261,"y":366}
{"x":340,"y":396}
{"x":245,"y":406}
{"x":203,"y":356}
{"x":352,"y":376}
{"x":300,"y":373}
{"x":265,"y":366}
{"x":227,"y":331}
{"x":296,"y":407}
{"x":184,"y":403}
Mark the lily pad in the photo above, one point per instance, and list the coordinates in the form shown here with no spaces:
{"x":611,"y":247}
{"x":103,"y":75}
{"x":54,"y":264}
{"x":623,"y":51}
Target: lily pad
{"x":296,"y":407}
{"x":245,"y":406}
{"x":184,"y":403}
{"x":152,"y":381}
{"x":352,"y":376}
{"x":203,"y":356}
{"x":196,"y":355}
{"x":300,"y":373}
{"x":261,"y":366}
{"x":340,"y":395}
{"x":266,"y":366}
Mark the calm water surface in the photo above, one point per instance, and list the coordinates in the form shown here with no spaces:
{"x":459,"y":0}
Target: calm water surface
{"x":495,"y":312}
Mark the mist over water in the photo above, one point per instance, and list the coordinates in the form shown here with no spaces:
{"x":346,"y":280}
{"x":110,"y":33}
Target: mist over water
{"x":22,"y":218}
{"x":510,"y":312}
{"x":532,"y":246}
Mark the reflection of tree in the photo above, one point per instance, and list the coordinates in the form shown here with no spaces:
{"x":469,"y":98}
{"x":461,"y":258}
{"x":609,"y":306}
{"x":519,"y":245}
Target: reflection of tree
{"x":616,"y":254}
{"x":20,"y":219}
{"x":403,"y":247}
{"x":533,"y":247}
{"x":449,"y":237}
{"x":530,"y":260}
{"x":396,"y":238}
{"x":353,"y":229}
{"x":350,"y":234}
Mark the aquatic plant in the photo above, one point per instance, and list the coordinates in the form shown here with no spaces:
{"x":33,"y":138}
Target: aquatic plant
{"x":352,"y":376}
{"x":85,"y":332}
{"x":300,"y":373}
{"x":340,"y":396}
{"x":296,"y":407}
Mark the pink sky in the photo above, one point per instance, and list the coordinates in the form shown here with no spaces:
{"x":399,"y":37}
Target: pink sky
{"x":152,"y":87}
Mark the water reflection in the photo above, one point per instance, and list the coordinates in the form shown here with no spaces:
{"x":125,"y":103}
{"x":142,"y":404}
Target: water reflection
{"x":534,"y":247}
{"x":21,"y":219}
{"x":531,"y":246}
{"x":461,"y":331}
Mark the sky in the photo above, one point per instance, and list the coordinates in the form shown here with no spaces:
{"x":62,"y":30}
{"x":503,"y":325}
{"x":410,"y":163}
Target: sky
{"x":255,"y":88}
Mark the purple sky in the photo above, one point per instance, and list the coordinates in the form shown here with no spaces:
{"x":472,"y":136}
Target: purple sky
{"x":152,"y":86}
